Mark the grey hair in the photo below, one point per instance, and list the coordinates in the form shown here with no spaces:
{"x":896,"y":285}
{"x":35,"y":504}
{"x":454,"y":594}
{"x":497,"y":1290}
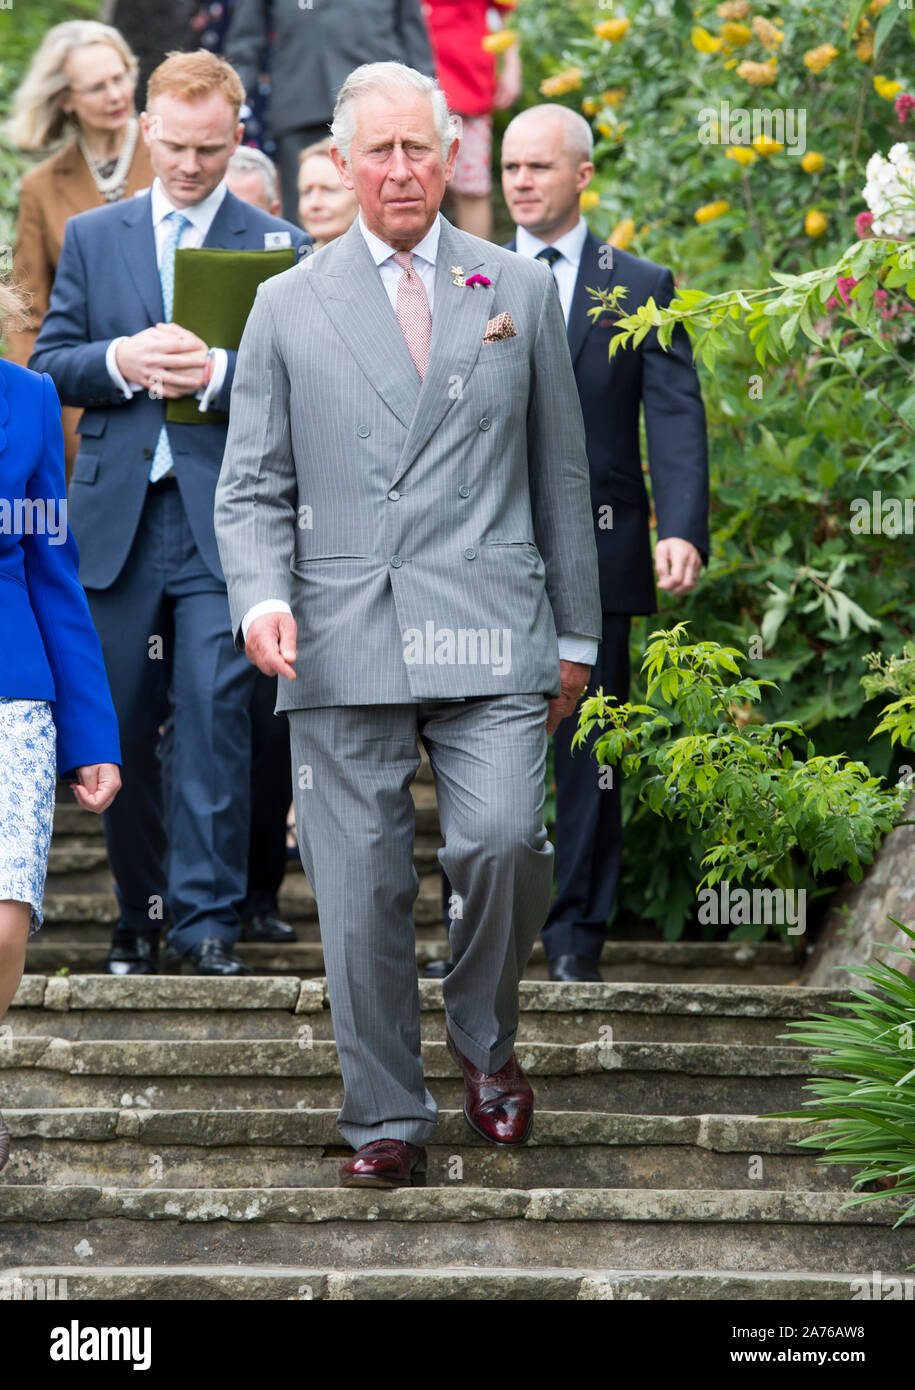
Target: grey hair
{"x":382,"y":77}
{"x":247,"y":159}
{"x":579,"y":141}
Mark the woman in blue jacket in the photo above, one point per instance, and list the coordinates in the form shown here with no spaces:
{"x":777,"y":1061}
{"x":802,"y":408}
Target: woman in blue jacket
{"x":56,"y":715}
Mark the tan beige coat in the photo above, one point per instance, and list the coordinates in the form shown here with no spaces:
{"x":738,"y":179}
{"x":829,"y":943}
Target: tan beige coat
{"x":56,"y":189}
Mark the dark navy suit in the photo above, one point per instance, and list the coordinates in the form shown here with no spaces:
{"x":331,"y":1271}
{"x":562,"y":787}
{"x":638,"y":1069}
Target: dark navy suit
{"x":612,"y":393}
{"x":151,"y":569}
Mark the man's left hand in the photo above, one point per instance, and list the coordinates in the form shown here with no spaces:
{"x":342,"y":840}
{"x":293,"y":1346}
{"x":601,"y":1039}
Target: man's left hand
{"x":678,"y":565}
{"x":574,"y":679}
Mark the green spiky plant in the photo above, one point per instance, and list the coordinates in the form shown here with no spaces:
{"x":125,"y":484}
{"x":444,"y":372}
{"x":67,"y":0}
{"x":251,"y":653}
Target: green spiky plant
{"x":869,"y":1108}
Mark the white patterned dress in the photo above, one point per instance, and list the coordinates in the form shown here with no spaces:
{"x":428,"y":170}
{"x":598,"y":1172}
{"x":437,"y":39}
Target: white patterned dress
{"x":28,"y":778}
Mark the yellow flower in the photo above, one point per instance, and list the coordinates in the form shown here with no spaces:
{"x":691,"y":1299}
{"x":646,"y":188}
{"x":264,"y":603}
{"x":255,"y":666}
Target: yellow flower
{"x":812,"y":162}
{"x":886,"y":89}
{"x":736,"y":34}
{"x":590,"y":106}
{"x":876,"y":6}
{"x":763,"y":145}
{"x":709,"y":211}
{"x":500,"y":41}
{"x":816,"y":59}
{"x":766,"y":32}
{"x":565,"y":81}
{"x":815,"y":223}
{"x":734,"y":9}
{"x":758,"y":74}
{"x":588,"y":199}
{"x":604,"y":129}
{"x":612,"y":29}
{"x":742,"y":154}
{"x":613,"y":96}
{"x":622,"y":234}
{"x":703,"y":41}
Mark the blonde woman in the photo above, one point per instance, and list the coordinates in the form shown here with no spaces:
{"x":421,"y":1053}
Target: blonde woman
{"x":75,"y":99}
{"x":56,"y":714}
{"x":326,"y":208}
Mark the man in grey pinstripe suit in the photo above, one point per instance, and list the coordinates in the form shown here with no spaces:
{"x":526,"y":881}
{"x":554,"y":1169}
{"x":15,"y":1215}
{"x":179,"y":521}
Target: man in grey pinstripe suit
{"x":404,"y":501}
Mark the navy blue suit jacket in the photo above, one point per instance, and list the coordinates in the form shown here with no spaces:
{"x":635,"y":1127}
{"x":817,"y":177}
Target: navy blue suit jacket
{"x":49,"y":649}
{"x":107,"y":284}
{"x":665,"y":384}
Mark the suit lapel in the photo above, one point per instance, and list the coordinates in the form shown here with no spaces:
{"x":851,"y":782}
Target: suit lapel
{"x":459,"y":318}
{"x":138,"y":251}
{"x":591,"y":275}
{"x":229,"y":222}
{"x":357,"y":304}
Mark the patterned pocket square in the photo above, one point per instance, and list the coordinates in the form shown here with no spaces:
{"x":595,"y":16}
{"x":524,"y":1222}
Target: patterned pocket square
{"x":499,"y":327}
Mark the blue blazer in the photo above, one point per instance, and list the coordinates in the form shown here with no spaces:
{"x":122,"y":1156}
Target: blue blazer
{"x":49,"y":648}
{"x":107,"y":284}
{"x":612,"y":393}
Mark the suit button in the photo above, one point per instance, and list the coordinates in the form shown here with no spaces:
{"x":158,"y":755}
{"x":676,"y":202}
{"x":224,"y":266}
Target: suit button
{"x":485,"y":423}
{"x":396,"y":562}
{"x":393,"y":495}
{"x":147,"y":453}
{"x":463,"y":490}
{"x":470,"y":553}
{"x":363,"y":431}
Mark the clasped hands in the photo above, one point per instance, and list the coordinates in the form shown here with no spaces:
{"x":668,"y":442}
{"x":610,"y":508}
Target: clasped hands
{"x":168,"y":360}
{"x":271,"y":646}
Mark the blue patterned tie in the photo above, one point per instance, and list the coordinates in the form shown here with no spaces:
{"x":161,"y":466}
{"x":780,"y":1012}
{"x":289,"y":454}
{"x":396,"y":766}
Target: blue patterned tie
{"x":162,"y":458}
{"x":551,"y":256}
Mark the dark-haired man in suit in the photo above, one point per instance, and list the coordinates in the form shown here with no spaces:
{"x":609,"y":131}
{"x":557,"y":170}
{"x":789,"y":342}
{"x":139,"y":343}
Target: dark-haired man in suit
{"x":546,"y":165}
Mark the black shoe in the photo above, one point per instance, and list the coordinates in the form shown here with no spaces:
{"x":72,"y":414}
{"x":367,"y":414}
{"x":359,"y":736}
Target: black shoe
{"x":263,"y":926}
{"x":437,"y":970}
{"x":574,"y":969}
{"x":213,"y":956}
{"x":133,"y":953}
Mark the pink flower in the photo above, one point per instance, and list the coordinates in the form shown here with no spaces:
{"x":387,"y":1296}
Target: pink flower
{"x":904,"y":104}
{"x":478,"y":280}
{"x":863,"y":223}
{"x":844,"y":285}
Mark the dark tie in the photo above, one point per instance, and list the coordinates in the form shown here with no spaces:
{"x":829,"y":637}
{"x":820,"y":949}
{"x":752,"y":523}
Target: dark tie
{"x":551,"y":256}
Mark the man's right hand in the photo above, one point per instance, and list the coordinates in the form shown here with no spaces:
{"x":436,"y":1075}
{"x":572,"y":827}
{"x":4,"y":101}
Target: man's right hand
{"x":270,"y":644}
{"x":168,"y":360}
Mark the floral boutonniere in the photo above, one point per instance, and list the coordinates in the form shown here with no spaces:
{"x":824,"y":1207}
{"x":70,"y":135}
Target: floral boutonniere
{"x":474,"y":280}
{"x":457,"y":273}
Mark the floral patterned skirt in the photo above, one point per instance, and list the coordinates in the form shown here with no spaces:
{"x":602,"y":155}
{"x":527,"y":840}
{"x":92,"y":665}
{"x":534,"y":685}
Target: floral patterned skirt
{"x":28,"y":778}
{"x":472,"y":168}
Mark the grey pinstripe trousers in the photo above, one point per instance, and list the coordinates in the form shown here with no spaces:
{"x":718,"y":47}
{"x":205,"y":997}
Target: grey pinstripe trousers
{"x":352,"y":769}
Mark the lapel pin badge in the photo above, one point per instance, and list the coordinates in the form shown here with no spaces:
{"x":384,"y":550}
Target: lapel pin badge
{"x":457,"y":272}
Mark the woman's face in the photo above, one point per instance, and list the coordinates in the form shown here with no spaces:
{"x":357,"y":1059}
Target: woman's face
{"x":100,"y":92}
{"x":326,"y":208}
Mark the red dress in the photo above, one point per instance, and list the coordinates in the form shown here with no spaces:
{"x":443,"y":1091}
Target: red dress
{"x":465,"y":71}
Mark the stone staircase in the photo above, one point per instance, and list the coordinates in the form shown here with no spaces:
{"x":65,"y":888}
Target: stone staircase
{"x":174,"y":1137}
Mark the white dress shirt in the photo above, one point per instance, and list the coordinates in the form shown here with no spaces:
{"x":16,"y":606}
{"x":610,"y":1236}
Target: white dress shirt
{"x":565,"y":269}
{"x":200,"y":217}
{"x":571,"y":646}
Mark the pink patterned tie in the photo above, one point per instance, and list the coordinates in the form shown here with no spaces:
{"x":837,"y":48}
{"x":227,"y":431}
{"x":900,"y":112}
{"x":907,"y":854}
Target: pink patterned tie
{"x":413,"y":311}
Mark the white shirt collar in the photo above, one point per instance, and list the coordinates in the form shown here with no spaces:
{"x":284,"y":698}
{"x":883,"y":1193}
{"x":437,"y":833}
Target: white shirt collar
{"x":569,"y":244}
{"x":200,"y":215}
{"x":427,"y":249}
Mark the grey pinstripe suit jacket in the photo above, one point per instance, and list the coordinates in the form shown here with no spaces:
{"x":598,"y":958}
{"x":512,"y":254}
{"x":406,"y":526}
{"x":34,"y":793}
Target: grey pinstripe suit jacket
{"x":409,"y":524}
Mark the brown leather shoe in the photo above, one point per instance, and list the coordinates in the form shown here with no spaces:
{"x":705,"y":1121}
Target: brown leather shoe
{"x":385,"y":1163}
{"x":499,"y":1107}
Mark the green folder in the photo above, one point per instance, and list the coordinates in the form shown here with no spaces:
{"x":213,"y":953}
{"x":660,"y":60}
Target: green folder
{"x":214,"y":292}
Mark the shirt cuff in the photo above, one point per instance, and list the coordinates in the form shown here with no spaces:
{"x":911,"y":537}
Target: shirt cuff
{"x":269,"y":605}
{"x":220,"y":366}
{"x":573,"y":647}
{"x":111,"y":366}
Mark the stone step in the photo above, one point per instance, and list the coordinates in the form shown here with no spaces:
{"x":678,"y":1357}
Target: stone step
{"x":73,"y":858}
{"x":303,"y":1148}
{"x":629,"y":1077}
{"x":191,"y":1007}
{"x":256,"y":1282}
{"x":71,"y":820}
{"x":672,"y":962}
{"x":645,"y":1228}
